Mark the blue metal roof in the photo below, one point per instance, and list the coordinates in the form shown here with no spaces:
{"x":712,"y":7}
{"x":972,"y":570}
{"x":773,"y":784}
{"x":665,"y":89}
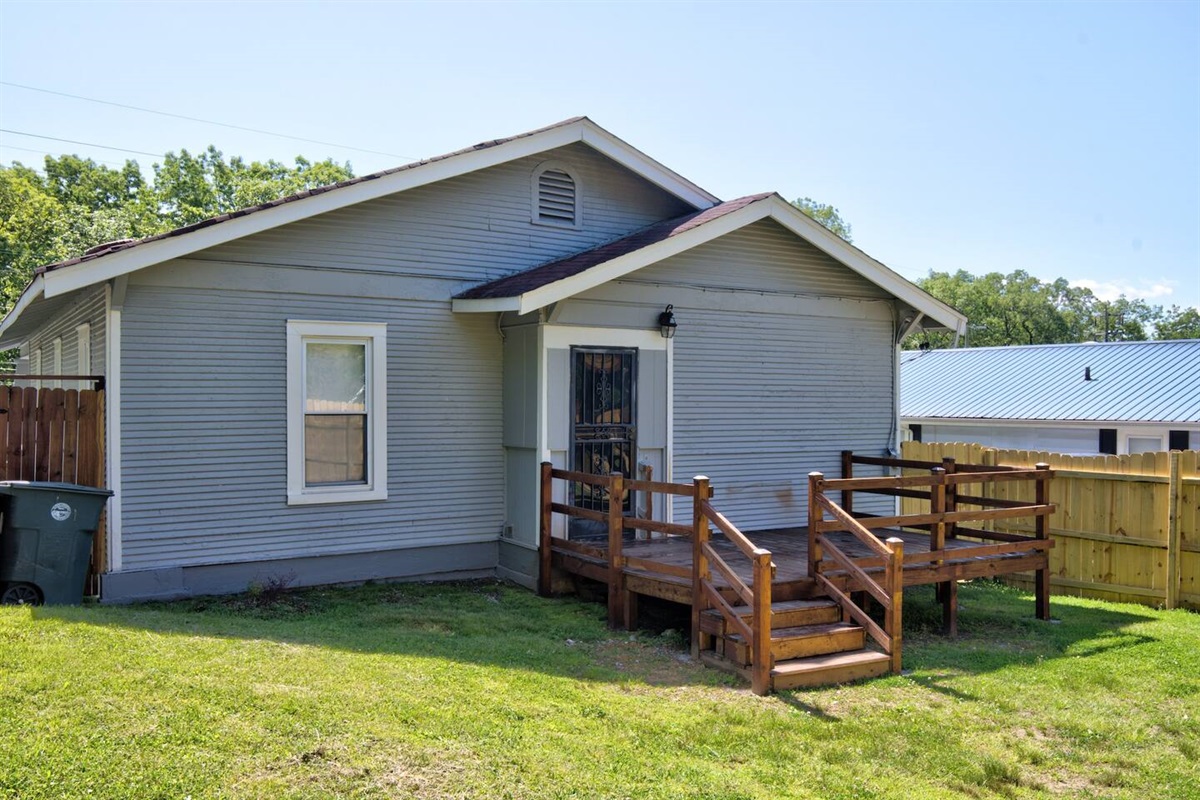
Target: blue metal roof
{"x":1130,"y":382}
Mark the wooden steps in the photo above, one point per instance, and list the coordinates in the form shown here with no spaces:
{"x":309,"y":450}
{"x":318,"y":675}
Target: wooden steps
{"x":811,"y":645}
{"x":827,"y":669}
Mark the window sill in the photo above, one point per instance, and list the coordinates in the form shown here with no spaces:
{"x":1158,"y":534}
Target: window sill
{"x":329,"y":496}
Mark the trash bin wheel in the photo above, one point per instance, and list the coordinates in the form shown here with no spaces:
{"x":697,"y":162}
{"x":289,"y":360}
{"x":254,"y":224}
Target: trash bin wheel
{"x":21,"y":594}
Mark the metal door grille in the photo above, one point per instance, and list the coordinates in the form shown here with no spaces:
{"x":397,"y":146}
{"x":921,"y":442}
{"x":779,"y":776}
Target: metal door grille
{"x":603,"y":427}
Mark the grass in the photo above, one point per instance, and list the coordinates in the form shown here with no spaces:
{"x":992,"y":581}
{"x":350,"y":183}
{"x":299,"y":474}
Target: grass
{"x":482,"y":690}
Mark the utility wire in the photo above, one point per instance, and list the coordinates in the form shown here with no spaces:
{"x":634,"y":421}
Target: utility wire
{"x":4,"y":146}
{"x":204,"y":121}
{"x":85,"y":144}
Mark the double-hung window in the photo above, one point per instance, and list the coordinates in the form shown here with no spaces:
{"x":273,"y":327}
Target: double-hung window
{"x":337,"y":411}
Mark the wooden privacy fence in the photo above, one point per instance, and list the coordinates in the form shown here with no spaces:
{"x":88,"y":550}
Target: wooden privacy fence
{"x":1126,"y":528}
{"x":55,"y":435}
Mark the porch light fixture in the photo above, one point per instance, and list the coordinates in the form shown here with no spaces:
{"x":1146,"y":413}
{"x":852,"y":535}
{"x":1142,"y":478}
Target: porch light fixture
{"x":667,"y":323}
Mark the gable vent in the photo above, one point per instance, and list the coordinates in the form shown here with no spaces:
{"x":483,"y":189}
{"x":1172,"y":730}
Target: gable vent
{"x":557,"y":199}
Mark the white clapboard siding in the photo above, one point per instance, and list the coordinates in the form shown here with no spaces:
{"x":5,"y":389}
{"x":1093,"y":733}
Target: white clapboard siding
{"x":204,"y":459}
{"x":762,"y":399}
{"x":205,"y":442}
{"x":472,"y":228}
{"x":86,"y":306}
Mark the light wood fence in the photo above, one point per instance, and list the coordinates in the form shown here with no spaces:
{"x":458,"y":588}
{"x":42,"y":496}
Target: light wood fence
{"x":1126,"y":528}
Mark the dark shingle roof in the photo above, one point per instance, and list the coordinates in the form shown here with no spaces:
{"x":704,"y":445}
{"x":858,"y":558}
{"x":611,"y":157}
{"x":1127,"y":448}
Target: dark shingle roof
{"x":537,"y":277}
{"x":1130,"y":382}
{"x":127,"y":244}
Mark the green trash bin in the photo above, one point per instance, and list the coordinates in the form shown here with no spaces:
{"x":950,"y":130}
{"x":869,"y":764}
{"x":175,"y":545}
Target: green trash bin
{"x":46,"y":540}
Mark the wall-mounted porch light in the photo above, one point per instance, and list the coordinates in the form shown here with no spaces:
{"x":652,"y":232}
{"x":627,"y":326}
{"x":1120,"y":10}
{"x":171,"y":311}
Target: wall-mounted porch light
{"x":667,"y":323}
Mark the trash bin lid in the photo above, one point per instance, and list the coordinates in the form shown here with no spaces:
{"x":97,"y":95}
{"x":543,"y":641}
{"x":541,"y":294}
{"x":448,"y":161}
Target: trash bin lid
{"x":8,"y":487}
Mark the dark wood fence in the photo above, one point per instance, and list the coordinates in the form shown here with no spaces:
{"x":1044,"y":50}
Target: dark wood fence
{"x":55,"y":435}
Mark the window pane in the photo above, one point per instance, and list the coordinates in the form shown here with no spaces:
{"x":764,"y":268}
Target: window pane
{"x":1144,"y":444}
{"x":335,"y":448}
{"x":335,"y":377}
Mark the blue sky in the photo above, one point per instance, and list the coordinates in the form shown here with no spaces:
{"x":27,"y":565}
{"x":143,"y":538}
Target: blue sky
{"x":1059,"y":138}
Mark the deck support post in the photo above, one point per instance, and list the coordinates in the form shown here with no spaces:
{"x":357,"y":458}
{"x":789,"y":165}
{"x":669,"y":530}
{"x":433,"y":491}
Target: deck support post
{"x":545,"y":554}
{"x":816,"y":485}
{"x":893,"y":624}
{"x":848,"y":472}
{"x":760,"y":674}
{"x":939,"y":503}
{"x":617,"y":607}
{"x":1042,"y":532}
{"x":700,"y":571}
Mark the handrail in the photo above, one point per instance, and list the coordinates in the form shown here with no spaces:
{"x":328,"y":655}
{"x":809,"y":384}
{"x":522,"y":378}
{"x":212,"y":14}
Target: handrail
{"x":756,"y":594}
{"x":852,"y":524}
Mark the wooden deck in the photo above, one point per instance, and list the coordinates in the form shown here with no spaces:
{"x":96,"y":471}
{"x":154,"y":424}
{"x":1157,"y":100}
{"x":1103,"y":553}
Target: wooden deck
{"x":789,"y":551}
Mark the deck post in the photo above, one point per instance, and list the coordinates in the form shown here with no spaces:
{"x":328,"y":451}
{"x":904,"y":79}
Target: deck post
{"x":939,"y":500}
{"x":816,"y":485}
{"x":545,"y":553}
{"x":848,"y":472}
{"x":616,"y":564}
{"x":760,"y":675}
{"x":894,"y":619}
{"x":700,"y":492}
{"x":1042,"y":528}
{"x":948,"y":464}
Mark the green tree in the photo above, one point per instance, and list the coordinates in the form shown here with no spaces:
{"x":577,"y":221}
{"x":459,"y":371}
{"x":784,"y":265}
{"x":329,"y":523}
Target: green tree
{"x":825,"y":214}
{"x":1178,"y":323}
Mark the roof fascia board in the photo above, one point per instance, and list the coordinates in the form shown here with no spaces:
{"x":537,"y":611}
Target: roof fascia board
{"x":76,"y":276}
{"x":32,"y":292}
{"x":1010,"y":422}
{"x":631,"y":262}
{"x":485,"y":304}
{"x":653,"y":171}
{"x":833,"y":245}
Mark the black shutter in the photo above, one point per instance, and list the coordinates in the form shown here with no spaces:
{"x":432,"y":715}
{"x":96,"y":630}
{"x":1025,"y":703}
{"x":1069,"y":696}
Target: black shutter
{"x":1108,"y":441}
{"x":916,"y":432}
{"x":1178,"y":440}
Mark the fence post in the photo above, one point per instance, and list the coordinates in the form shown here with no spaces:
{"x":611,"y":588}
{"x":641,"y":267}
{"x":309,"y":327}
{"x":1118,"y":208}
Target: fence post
{"x":948,"y":464}
{"x":894,"y":619}
{"x":816,"y":485}
{"x":545,"y":555}
{"x":616,"y":564}
{"x":848,"y":472}
{"x":1042,"y":528}
{"x":1174,"y":498}
{"x":700,"y":574}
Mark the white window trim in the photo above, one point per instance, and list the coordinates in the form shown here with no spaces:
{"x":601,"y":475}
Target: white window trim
{"x":83,"y":348}
{"x":57,"y":362}
{"x":535,"y":188}
{"x":375,"y":334}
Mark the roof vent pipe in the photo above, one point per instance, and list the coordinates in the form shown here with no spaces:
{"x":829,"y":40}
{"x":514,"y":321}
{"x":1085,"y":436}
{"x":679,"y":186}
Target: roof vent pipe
{"x":1087,"y":373}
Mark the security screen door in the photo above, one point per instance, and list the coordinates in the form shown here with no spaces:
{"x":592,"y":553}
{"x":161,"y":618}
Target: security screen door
{"x":603,"y":422}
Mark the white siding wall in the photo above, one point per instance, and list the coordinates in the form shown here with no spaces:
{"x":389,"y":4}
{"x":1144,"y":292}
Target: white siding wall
{"x":203,"y":347}
{"x":87,"y":306}
{"x":783,"y":358}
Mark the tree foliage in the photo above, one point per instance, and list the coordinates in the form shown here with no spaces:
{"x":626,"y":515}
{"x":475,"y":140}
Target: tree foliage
{"x":1018,"y":308}
{"x":75,"y":203}
{"x":825,"y":214}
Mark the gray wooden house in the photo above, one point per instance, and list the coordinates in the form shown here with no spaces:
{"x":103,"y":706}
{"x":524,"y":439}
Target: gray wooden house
{"x":359,"y":382}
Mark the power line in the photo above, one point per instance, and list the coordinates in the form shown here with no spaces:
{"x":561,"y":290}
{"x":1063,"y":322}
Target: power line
{"x":4,"y":146}
{"x":204,"y":121}
{"x":85,"y":144}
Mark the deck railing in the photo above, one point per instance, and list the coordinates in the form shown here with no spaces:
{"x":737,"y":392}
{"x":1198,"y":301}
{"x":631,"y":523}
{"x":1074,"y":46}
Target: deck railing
{"x":706,"y":590}
{"x":887,"y":590}
{"x":944,"y":487}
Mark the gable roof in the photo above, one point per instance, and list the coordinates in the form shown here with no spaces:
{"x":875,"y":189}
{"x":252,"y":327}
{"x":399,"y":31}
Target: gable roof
{"x":1131,"y":382}
{"x":549,"y":283}
{"x":124,"y":257}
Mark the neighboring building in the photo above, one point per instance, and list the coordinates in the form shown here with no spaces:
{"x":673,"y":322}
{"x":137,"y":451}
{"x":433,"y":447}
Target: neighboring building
{"x":1091,"y":398}
{"x":360,"y":381}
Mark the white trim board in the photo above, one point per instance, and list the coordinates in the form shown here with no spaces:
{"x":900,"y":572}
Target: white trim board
{"x":773,"y":207}
{"x":66,"y":279}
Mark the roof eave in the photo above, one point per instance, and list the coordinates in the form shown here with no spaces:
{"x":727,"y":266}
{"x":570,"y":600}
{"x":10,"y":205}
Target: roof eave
{"x":33,"y":291}
{"x":75,"y":276}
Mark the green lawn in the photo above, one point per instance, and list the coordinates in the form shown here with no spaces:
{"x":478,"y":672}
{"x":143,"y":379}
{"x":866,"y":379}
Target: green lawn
{"x":484,"y":690}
